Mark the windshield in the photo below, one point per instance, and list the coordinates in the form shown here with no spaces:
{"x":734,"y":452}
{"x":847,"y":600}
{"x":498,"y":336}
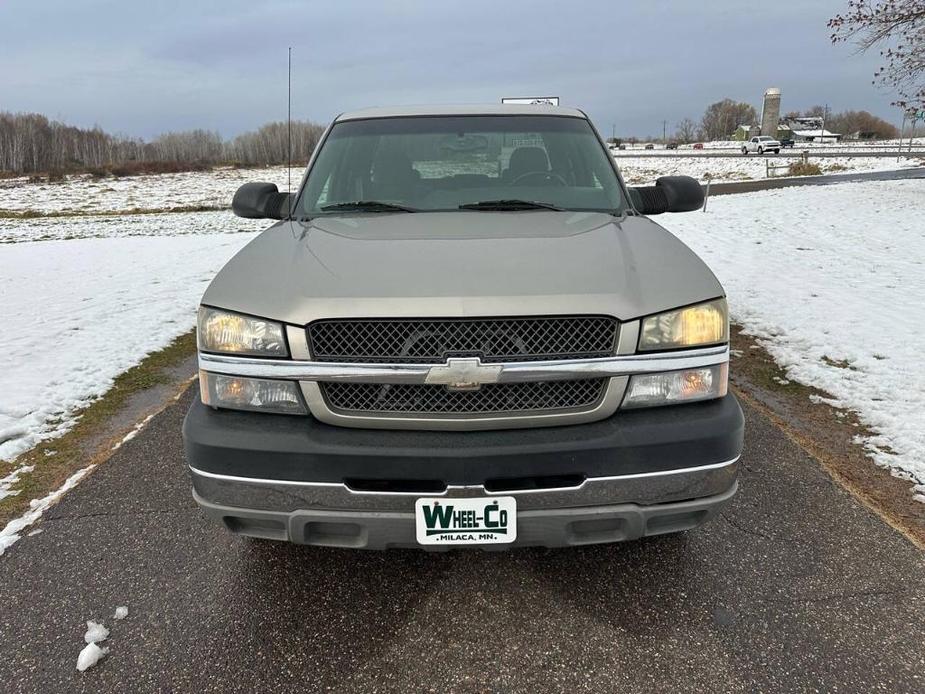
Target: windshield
{"x":443,"y":163}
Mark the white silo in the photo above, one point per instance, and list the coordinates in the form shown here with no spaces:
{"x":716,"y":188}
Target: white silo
{"x":770,"y":112}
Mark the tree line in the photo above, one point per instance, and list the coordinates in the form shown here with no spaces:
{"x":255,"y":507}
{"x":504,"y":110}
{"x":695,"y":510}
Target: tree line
{"x":30,"y":142}
{"x":720,"y":120}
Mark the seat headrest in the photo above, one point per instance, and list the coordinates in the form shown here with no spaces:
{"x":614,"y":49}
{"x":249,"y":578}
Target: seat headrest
{"x":527,"y":159}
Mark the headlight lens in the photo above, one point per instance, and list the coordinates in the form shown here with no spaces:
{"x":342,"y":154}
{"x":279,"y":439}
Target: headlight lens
{"x":258,"y":394}
{"x":671,"y":387}
{"x":222,"y":331}
{"x":703,"y":324}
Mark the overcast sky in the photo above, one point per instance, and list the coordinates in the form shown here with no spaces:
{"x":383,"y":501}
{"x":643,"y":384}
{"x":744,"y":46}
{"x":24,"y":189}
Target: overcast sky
{"x":140,"y":68}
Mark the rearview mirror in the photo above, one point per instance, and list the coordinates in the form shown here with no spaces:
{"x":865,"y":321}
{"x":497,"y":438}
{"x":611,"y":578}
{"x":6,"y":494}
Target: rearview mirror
{"x":261,"y":201}
{"x":669,"y":194}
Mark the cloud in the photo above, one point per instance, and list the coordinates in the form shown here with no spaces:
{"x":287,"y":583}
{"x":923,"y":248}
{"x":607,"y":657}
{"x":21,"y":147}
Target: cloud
{"x":144,"y":68}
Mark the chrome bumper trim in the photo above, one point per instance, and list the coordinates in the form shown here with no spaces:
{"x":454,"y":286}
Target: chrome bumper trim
{"x":510,"y":372}
{"x":642,"y":488}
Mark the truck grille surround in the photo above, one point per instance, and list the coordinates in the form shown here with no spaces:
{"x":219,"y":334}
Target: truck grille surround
{"x":433,"y":341}
{"x":489,"y":399}
{"x":494,"y":340}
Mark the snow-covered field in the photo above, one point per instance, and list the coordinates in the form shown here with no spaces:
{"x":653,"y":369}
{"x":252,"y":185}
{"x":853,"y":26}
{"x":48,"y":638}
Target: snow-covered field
{"x":644,"y":170}
{"x":78,"y":313}
{"x":84,"y":194}
{"x":832,"y":281}
{"x":113,"y":226}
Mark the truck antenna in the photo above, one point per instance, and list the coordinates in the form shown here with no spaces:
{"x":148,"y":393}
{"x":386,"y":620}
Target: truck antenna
{"x":289,"y":140}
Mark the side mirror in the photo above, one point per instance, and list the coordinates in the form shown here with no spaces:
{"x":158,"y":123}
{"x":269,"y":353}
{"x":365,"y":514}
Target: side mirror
{"x":669,"y":194}
{"x":261,"y":201}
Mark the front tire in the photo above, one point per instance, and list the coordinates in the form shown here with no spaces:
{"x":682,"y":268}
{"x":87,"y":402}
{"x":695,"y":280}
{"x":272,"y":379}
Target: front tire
{"x":760,"y":150}
{"x":776,"y":151}
{"x":745,"y":151}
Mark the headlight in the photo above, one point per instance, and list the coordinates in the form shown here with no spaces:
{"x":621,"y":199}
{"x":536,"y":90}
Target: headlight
{"x":703,"y":324}
{"x":260,"y":394}
{"x":222,"y":331}
{"x":671,"y":387}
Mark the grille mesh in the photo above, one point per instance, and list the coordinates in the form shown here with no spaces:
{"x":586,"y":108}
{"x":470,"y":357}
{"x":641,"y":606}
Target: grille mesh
{"x":432,"y":341}
{"x":377,"y":398}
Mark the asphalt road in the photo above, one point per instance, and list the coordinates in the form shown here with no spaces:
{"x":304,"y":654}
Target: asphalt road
{"x":750,"y":186}
{"x":796,"y":587}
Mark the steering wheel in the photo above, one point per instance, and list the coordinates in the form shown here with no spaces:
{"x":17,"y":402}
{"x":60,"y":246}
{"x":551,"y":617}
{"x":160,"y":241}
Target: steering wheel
{"x":547,"y":176}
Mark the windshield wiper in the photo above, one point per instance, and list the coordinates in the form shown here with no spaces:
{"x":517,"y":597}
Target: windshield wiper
{"x":509,"y":205}
{"x":367,"y":206}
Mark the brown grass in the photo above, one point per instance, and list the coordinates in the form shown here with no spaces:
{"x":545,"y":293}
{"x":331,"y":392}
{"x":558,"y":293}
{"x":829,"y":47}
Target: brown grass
{"x":34,"y":214}
{"x":804,"y":169}
{"x":147,"y":168}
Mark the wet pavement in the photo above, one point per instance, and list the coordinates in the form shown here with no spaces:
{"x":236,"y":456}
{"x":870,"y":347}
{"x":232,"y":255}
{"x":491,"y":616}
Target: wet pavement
{"x":795,"y":587}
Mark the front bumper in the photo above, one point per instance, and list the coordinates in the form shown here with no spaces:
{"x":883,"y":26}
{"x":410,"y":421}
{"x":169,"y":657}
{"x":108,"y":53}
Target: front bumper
{"x":636,"y":473}
{"x":540,"y":527}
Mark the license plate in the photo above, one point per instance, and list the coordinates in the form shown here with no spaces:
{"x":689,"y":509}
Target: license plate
{"x":479,"y":521}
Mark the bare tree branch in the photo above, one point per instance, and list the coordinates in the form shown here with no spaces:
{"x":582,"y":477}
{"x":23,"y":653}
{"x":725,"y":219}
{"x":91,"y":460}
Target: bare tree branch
{"x":898,"y":28}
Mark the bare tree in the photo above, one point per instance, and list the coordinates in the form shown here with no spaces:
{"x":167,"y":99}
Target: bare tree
{"x":722,"y":118}
{"x":862,"y":124}
{"x":899,"y":27}
{"x":686,"y":131}
{"x":269,"y":144}
{"x":29,"y":142}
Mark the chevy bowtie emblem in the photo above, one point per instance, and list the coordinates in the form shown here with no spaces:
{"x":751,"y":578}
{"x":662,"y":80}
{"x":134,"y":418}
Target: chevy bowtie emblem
{"x":463,"y":373}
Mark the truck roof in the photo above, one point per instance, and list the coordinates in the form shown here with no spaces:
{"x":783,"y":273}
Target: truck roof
{"x":461,"y":110}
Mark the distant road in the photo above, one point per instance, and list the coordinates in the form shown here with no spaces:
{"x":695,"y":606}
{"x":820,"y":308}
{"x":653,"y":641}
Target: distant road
{"x":794,"y":153}
{"x":827,"y":179}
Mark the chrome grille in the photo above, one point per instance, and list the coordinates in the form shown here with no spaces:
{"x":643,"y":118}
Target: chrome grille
{"x":401,"y":341}
{"x":495,"y":398}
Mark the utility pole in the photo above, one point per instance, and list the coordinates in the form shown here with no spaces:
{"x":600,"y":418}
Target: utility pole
{"x":914,"y":118}
{"x":825,"y":112}
{"x":613,"y":132}
{"x":664,"y":131}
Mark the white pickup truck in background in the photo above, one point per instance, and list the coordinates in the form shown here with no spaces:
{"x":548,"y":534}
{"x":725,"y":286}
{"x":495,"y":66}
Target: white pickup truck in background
{"x":761,"y":145}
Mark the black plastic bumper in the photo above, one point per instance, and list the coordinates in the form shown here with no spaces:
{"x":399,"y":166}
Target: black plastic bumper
{"x":302,"y":449}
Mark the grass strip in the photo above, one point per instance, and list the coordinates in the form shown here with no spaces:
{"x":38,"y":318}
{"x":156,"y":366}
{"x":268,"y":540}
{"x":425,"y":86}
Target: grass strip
{"x":91,"y":438}
{"x":38,"y":214}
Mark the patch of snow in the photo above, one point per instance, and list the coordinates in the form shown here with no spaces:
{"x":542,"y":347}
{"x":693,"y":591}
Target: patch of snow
{"x":11,"y":532}
{"x":90,"y":656}
{"x":108,"y":302}
{"x":6,"y":483}
{"x":37,"y":531}
{"x":96,"y":632}
{"x":830,"y":280}
{"x":121,"y":612}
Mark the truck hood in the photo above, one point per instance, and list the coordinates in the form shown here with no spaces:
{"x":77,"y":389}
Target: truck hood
{"x":455,"y":264}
